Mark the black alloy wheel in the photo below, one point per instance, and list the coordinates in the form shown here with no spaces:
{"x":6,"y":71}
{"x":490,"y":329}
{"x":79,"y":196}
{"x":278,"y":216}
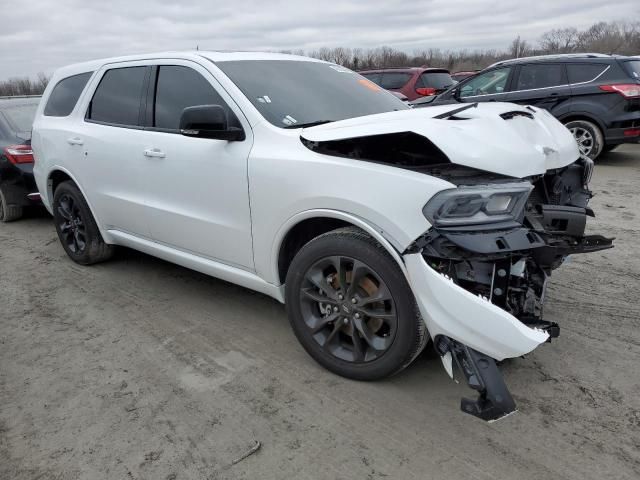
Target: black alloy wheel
{"x":348,"y":309}
{"x":71,"y":224}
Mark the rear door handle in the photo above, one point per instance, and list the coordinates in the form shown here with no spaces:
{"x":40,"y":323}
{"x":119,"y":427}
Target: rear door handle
{"x":154,"y":153}
{"x":75,"y":141}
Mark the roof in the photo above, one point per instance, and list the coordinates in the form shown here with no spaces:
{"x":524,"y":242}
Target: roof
{"x":213,"y":55}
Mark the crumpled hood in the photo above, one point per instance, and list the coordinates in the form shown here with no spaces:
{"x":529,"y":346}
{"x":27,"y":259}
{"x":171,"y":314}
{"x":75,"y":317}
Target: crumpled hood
{"x":503,"y":138}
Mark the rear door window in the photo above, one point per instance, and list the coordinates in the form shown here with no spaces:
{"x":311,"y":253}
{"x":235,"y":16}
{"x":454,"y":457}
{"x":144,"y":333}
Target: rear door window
{"x":393,"y":80}
{"x":437,"y":80}
{"x":584,"y":72}
{"x":540,"y":76}
{"x":65,"y":95}
{"x":118,"y":96}
{"x":181,"y":87}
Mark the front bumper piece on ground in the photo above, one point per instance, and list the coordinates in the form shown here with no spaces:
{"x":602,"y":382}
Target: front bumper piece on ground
{"x":489,"y":334}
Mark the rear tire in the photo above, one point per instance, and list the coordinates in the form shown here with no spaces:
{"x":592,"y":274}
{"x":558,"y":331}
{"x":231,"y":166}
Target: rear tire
{"x":76,"y":227}
{"x":341,"y":322}
{"x":8,"y":212}
{"x":589,"y":137}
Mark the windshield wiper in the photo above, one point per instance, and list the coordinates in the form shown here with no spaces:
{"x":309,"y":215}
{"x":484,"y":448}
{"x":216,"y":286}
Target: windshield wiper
{"x":309,"y":124}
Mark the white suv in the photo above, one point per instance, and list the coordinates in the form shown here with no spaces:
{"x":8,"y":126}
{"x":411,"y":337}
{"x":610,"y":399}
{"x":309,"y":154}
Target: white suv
{"x":307,"y":182}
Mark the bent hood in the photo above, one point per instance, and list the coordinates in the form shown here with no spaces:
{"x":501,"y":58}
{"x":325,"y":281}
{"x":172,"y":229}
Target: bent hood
{"x":503,"y":138}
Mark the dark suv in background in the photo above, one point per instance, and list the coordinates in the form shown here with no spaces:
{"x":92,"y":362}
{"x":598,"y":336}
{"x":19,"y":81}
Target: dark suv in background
{"x":413,"y":82}
{"x":596,"y":96}
{"x":17,"y":186}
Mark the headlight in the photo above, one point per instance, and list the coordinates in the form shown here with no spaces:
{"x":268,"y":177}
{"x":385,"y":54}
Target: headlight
{"x":478,"y":205}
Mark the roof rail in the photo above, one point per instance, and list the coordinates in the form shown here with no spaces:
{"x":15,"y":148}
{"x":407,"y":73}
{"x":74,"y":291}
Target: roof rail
{"x":553,"y":56}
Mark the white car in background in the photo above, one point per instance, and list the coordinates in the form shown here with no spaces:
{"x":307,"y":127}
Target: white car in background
{"x":380,"y":226}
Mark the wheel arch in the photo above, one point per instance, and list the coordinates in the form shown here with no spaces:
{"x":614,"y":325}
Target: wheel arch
{"x":305,"y":226}
{"x":55,"y":177}
{"x":573,"y":116}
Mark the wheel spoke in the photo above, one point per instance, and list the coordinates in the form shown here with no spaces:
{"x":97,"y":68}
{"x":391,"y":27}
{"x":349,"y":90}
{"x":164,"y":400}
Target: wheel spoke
{"x":64,"y":212}
{"x":382,"y":294}
{"x":336,"y":328}
{"x":358,"y":349}
{"x":357,"y":274}
{"x":316,"y":277}
{"x":374,"y":341}
{"x":324,"y":321}
{"x":317,"y":296}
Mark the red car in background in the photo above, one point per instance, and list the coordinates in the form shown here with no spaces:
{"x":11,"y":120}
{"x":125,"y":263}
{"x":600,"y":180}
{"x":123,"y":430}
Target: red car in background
{"x":413,"y":82}
{"x":459,"y":76}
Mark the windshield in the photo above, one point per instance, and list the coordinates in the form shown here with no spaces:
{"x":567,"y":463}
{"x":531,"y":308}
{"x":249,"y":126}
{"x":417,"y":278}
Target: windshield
{"x":291,"y":94}
{"x":20,"y":117}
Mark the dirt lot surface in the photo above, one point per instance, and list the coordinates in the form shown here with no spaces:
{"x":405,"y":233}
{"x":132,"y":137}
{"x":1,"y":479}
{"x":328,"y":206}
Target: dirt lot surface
{"x":141,"y":369}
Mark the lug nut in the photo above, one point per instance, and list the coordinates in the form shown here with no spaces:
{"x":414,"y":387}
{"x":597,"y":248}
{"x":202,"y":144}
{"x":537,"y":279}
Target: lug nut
{"x":502,"y":273}
{"x":354,"y":301}
{"x":357,"y":315}
{"x":335,"y":309}
{"x":497,"y":291}
{"x":345,"y":321}
{"x":340,"y":297}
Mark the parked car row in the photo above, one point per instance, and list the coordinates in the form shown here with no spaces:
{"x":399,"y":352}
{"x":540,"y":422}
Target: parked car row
{"x":412,"y":82}
{"x":380,"y":226}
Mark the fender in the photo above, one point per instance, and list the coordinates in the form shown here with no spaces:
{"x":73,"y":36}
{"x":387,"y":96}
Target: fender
{"x":371,"y":229}
{"x":586,"y":115}
{"x":49,"y":198}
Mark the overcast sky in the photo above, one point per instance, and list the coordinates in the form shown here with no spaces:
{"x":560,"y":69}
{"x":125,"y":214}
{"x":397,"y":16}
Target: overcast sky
{"x":41,"y":35}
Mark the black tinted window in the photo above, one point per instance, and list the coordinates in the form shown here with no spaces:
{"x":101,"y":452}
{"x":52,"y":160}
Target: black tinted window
{"x":437,"y":80}
{"x":540,"y":76}
{"x":65,"y":94}
{"x":581,"y":72}
{"x":179,"y":88}
{"x":633,"y":67}
{"x":117,"y":98}
{"x":391,"y":81}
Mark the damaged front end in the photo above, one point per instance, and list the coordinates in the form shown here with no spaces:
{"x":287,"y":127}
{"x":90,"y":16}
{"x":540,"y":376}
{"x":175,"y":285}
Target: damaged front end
{"x":485,"y":264}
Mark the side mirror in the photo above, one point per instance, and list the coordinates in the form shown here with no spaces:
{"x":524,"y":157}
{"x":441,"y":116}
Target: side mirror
{"x":209,"y":121}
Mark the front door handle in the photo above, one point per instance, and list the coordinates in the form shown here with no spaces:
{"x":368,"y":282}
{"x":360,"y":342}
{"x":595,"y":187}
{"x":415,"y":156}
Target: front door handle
{"x":75,"y":141}
{"x":154,"y":153}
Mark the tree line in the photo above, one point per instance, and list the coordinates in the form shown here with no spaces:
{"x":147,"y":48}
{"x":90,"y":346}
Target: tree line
{"x":621,"y":37}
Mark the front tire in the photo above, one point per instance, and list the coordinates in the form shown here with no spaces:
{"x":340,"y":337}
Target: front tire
{"x":351,"y":308}
{"x":76,"y":227}
{"x":589,"y":137}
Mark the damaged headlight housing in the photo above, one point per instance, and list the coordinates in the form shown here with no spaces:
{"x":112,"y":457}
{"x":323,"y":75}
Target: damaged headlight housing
{"x":478,"y":205}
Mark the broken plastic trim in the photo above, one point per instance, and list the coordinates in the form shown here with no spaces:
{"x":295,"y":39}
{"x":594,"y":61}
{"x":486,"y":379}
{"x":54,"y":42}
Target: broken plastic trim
{"x":494,"y":400}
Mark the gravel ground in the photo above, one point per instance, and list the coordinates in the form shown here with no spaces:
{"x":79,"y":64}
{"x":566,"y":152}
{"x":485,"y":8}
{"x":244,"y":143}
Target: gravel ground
{"x":141,"y":369}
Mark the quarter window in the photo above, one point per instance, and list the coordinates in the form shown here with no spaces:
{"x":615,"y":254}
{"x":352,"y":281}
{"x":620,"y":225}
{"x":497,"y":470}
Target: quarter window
{"x":581,"y":72}
{"x":117,"y":98}
{"x":540,"y":76}
{"x":65,"y":94}
{"x":488,"y":83}
{"x":181,"y":87}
